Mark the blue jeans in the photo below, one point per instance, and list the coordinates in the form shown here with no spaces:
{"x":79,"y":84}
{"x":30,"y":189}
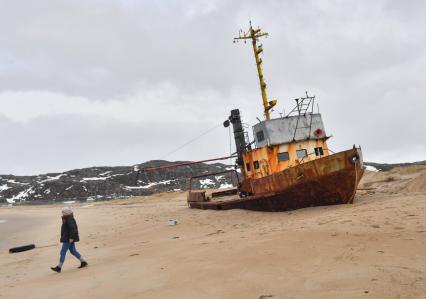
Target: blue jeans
{"x":71,"y":248}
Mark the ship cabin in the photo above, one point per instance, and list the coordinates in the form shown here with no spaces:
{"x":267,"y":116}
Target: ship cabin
{"x":285,"y":142}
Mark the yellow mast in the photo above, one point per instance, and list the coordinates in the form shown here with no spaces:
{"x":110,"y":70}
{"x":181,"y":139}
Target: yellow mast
{"x":254,"y":35}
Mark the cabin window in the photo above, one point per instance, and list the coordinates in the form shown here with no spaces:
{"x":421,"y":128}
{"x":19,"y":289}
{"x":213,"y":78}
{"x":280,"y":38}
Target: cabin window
{"x":319,"y":151}
{"x":260,"y":136}
{"x":248,"y":166}
{"x":256,"y":164}
{"x":283,"y":156}
{"x":301,"y":153}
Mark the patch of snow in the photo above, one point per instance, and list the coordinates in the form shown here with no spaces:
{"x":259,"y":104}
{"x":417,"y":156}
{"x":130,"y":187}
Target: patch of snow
{"x":371,"y":168}
{"x":230,"y":168}
{"x":69,"y":188}
{"x":15,"y":182}
{"x":206,"y":183}
{"x":52,"y":178}
{"x":84,"y":188}
{"x":47,"y":191}
{"x":101,"y":178}
{"x":90,"y":199}
{"x":176,"y":190}
{"x":21,"y":195}
{"x":117,"y":174}
{"x":134,"y":187}
{"x":220,"y":177}
{"x":105,"y":173}
{"x":225,"y":185}
{"x":4,"y":187}
{"x":94,"y":179}
{"x":69,"y":202}
{"x":166,"y":182}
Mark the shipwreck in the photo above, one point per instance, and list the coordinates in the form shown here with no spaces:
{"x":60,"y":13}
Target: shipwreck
{"x":288,"y":165}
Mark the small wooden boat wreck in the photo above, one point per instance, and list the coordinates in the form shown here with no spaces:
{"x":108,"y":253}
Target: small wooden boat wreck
{"x":288,"y":165}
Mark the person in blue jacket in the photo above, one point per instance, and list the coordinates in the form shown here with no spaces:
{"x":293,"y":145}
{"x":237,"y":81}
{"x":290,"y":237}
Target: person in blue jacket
{"x":69,"y":235}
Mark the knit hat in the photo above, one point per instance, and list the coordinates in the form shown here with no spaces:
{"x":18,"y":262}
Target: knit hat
{"x":66,"y":211}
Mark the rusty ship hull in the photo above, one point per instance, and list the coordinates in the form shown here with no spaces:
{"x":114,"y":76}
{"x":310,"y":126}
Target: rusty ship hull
{"x":329,"y":180}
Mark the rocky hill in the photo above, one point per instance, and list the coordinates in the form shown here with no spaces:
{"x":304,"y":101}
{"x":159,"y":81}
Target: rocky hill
{"x":109,"y":182}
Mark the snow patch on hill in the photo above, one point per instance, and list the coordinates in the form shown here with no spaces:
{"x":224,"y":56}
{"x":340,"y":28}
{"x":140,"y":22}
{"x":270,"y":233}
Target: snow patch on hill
{"x":15,"y":182}
{"x":94,"y":179}
{"x":52,"y":178}
{"x":4,"y":187}
{"x":105,"y":173}
{"x":22,"y":196}
{"x":371,"y":168}
{"x":165,"y":182}
{"x":206,"y":183}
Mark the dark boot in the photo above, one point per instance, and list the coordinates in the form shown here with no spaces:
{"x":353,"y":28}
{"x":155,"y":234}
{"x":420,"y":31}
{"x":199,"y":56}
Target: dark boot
{"x":83,"y":264}
{"x":56,"y":269}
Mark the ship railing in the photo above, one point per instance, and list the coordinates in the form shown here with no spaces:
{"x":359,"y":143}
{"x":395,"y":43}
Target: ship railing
{"x":310,"y":154}
{"x":302,"y":160}
{"x":233,"y":171}
{"x":198,"y":195}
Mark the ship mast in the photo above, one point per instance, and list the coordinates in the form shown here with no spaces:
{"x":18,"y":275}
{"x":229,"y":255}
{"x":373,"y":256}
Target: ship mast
{"x":254,"y":35}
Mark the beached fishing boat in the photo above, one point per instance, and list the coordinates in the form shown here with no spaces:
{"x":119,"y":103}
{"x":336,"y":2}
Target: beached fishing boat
{"x":288,"y":165}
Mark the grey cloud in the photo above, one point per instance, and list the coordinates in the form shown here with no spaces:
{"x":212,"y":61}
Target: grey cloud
{"x":364,"y":60}
{"x":64,"y":142}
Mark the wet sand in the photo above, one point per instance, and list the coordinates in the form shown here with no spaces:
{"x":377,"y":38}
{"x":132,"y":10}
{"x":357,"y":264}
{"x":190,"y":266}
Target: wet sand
{"x":17,"y":226}
{"x":375,"y":248}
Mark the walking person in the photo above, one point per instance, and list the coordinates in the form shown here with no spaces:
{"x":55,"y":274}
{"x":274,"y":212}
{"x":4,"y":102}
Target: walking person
{"x":69,"y":235}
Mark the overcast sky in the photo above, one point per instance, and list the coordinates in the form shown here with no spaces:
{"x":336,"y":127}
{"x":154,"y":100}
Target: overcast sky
{"x":92,"y":83}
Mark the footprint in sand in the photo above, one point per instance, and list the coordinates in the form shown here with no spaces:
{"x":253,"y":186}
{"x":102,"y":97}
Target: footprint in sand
{"x":349,"y":254}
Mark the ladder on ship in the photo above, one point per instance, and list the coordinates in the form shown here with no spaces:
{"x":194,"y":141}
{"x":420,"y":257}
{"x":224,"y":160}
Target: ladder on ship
{"x":302,"y":109}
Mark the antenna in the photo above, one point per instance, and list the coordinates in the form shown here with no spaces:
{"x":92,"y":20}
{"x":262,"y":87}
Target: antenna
{"x":254,"y":35}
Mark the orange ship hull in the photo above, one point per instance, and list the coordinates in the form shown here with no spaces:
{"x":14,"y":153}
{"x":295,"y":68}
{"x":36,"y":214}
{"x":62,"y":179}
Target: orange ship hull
{"x":329,"y":180}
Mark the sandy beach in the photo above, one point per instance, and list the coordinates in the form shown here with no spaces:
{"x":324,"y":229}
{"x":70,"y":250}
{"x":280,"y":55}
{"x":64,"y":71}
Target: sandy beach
{"x":374,"y":248}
